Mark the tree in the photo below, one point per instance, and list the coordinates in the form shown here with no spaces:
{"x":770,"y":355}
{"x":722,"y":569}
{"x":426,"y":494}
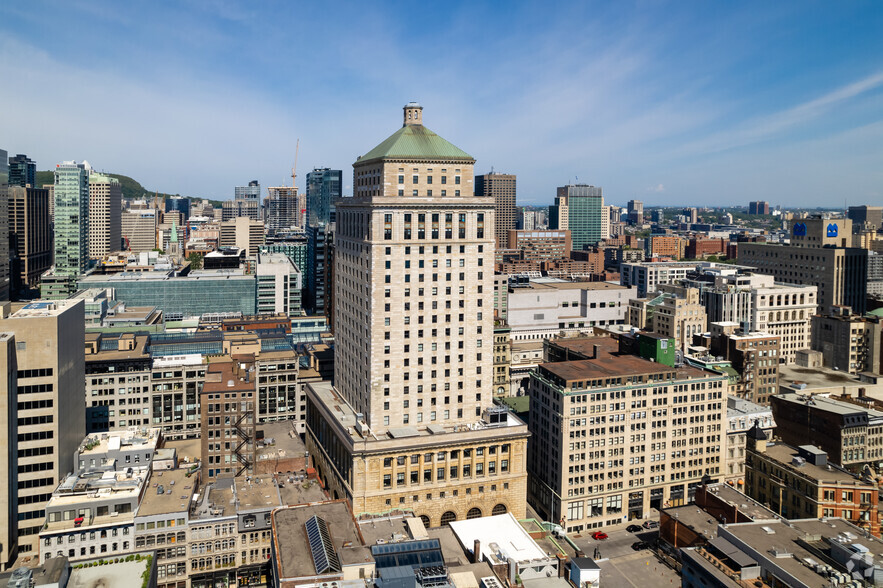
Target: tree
{"x":195,"y":260}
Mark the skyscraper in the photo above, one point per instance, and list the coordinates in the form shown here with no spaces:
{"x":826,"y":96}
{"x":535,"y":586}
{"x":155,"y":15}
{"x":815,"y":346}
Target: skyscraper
{"x":250,"y":192}
{"x":758,"y":207}
{"x":182,"y":205}
{"x":246,"y":202}
{"x":105,"y":212}
{"x":30,"y":235}
{"x":71,"y":218}
{"x":579,"y":208}
{"x":22,"y":171}
{"x":323,"y":189}
{"x":283,"y":208}
{"x":4,"y":228}
{"x":500,"y":187}
{"x":870,"y":217}
{"x":636,"y":212}
{"x":413,"y":370}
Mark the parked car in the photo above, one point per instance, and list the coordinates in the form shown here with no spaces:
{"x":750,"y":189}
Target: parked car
{"x":599,"y":535}
{"x":640,"y":545}
{"x":633,"y":528}
{"x":651,"y":525}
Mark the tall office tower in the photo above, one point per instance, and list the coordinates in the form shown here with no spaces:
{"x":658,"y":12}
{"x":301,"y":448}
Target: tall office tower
{"x":283,"y":210}
{"x":862,"y":217}
{"x":105,"y":211}
{"x":636,"y":212}
{"x":657,"y":215}
{"x":317,"y":284}
{"x":584,"y":206}
{"x":527,"y":220}
{"x":71,"y":218}
{"x":8,"y":458}
{"x":30,"y":235}
{"x":759,"y":207}
{"x":22,"y":171}
{"x":4,"y":228}
{"x":50,"y":417}
{"x":231,"y":209}
{"x":323,"y":190}
{"x":820,"y":255}
{"x":178,"y":204}
{"x":411,"y":419}
{"x":500,"y":187}
{"x":138,"y":229}
{"x":605,"y":222}
{"x":242,"y":232}
{"x":250,"y":192}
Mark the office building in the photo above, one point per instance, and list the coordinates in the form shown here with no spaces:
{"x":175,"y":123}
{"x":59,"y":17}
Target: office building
{"x":850,"y":433}
{"x":742,"y":415}
{"x":179,"y":204}
{"x":758,"y":207}
{"x":138,"y":230}
{"x":579,"y":207}
{"x":544,"y":307}
{"x":118,"y":393}
{"x":323,"y":190}
{"x":22,"y":171}
{"x":657,"y":215}
{"x":5,"y":281}
{"x":800,"y":483}
{"x":71,"y":240}
{"x":614,"y":437}
{"x":8,"y":459}
{"x":30,"y":235}
{"x":691,"y":215}
{"x":820,"y":255}
{"x":864,"y":218}
{"x":411,"y":418}
{"x":285,"y":208}
{"x":242,"y":232}
{"x":664,"y":246}
{"x":647,"y":276}
{"x":635,"y":212}
{"x":250,"y":192}
{"x":677,"y":313}
{"x":49,"y":373}
{"x":753,"y":355}
{"x":232,"y":209}
{"x":105,"y":210}
{"x":228,"y":410}
{"x":539,"y":245}
{"x":278,"y":285}
{"x":500,"y":187}
{"x":527,"y":219}
{"x":849,"y":342}
{"x":319,"y":267}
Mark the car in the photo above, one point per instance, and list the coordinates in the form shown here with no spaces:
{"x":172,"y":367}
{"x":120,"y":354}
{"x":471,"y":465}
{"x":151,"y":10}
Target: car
{"x":651,"y":525}
{"x":599,"y":535}
{"x":640,"y":545}
{"x":633,"y":528}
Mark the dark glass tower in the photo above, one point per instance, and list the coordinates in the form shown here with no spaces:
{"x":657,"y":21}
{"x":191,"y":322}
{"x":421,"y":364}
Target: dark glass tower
{"x":323,"y":188}
{"x":22,"y":171}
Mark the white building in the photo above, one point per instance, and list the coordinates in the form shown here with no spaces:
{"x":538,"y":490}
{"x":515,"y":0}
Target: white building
{"x":550,"y":306}
{"x":279,"y":285}
{"x":647,"y":275}
{"x":741,"y":417}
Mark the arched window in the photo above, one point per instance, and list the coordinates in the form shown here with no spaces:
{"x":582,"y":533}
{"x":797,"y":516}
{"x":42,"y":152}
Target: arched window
{"x":499,"y":509}
{"x":425,"y":520}
{"x":473,"y":513}
{"x":448,"y":518}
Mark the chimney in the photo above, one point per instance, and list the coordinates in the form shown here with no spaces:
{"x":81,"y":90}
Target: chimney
{"x":476,"y":552}
{"x":561,"y":568}
{"x":595,"y":351}
{"x":413,"y":114}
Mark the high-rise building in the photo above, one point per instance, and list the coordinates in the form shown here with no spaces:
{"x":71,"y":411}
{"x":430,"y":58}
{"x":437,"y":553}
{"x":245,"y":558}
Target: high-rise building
{"x":242,"y":232}
{"x":179,"y":204}
{"x":636,"y":212}
{"x":500,"y":187}
{"x":105,"y":211}
{"x":138,"y":229}
{"x":819,"y":255}
{"x":862,"y":217}
{"x":759,"y":207}
{"x":579,"y":208}
{"x":4,"y":228}
{"x":692,"y":215}
{"x":323,"y":189}
{"x":250,"y":192}
{"x":318,"y":264}
{"x":49,"y":370}
{"x":411,"y":419}
{"x":231,"y":209}
{"x":284,"y":208}
{"x":71,"y":219}
{"x":30,"y":235}
{"x":22,"y":171}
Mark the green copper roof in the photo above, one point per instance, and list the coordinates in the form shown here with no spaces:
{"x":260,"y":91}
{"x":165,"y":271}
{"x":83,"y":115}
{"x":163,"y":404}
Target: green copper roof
{"x":415,"y":141}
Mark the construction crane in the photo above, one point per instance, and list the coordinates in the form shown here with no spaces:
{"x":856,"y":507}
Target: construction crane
{"x":294,"y":169}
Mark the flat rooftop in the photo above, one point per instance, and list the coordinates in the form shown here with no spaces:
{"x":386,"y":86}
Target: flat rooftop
{"x":792,"y":376}
{"x":502,"y":531}
{"x":737,"y":407}
{"x":256,"y":493}
{"x":562,"y":285}
{"x":744,"y":503}
{"x":108,"y":575}
{"x":611,"y":367}
{"x":292,"y":549}
{"x":132,"y":439}
{"x":785,"y":453}
{"x":585,"y":346}
{"x":182,"y":488}
{"x":281,"y":441}
{"x":43,"y":308}
{"x":108,"y":346}
{"x":830,"y":405}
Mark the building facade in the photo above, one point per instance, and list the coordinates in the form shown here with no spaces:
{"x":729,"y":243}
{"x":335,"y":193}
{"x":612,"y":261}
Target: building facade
{"x":71,"y":219}
{"x":502,"y":188}
{"x":579,"y":208}
{"x":30,"y":235}
{"x":105,"y":210}
{"x":138,"y":230}
{"x":323,"y":189}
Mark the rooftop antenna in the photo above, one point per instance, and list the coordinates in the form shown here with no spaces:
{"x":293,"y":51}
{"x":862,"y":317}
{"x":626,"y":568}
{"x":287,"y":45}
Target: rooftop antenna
{"x":294,"y":169}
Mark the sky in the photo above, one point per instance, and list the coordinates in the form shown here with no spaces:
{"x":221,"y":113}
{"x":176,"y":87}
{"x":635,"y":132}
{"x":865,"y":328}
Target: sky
{"x":694,"y":103}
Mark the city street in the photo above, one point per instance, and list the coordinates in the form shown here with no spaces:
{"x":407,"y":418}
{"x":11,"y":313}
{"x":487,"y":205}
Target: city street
{"x":621,"y":565}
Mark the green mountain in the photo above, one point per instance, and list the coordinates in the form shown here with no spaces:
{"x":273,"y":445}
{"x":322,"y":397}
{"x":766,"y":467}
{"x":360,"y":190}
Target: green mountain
{"x":132,"y":189}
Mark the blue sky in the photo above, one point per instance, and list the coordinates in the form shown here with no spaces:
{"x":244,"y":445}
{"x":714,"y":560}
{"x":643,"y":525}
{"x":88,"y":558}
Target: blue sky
{"x":699,"y":103}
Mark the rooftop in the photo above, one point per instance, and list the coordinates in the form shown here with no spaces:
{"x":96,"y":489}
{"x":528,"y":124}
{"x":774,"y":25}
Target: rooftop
{"x":784,"y":454}
{"x":737,"y":407}
{"x":500,"y":534}
{"x":178,"y":489}
{"x":292,"y":548}
{"x":585,"y":346}
{"x":567,"y":285}
{"x":830,"y":405}
{"x":416,"y":142}
{"x":281,"y":441}
{"x":803,"y":378}
{"x":132,"y":439}
{"x":625,"y":365}
{"x":43,"y":308}
{"x":109,"y":575}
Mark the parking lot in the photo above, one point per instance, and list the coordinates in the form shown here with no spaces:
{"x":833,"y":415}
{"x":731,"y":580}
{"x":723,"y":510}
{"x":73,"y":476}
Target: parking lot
{"x":621,"y":565}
